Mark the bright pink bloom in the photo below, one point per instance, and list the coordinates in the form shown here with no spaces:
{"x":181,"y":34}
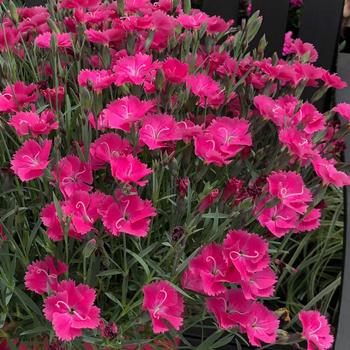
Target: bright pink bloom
{"x":174,"y":70}
{"x":310,"y":118}
{"x":75,"y":4}
{"x":343,"y":109}
{"x":289,"y":187}
{"x":130,"y":214}
{"x":316,"y":330}
{"x":44,"y":40}
{"x":73,"y":175}
{"x":279,"y":220}
{"x":288,"y":44}
{"x":326,"y":170}
{"x":208,"y":90}
{"x":97,"y":79}
{"x":17,"y":96}
{"x":164,"y":28}
{"x":27,"y":123}
{"x":105,"y":37}
{"x":9,"y":35}
{"x":54,"y":96}
{"x":259,"y":284}
{"x":310,"y":222}
{"x":163,"y":303}
{"x":82,"y":207}
{"x":189,"y":130}
{"x":333,"y":81}
{"x":303,"y":50}
{"x":107,"y":147}
{"x":42,"y":275}
{"x":158,"y":130}
{"x":123,"y":113}
{"x":206,"y":148}
{"x":208,"y":271}
{"x":135,"y":6}
{"x":72,"y":309}
{"x":208,"y":200}
{"x":247,"y":252}
{"x":50,"y":219}
{"x":30,"y":161}
{"x":231,"y":134}
{"x":230,"y":308}
{"x":216,"y":24}
{"x":193,"y":21}
{"x":262,"y":325}
{"x":298,"y":143}
{"x":133,"y":69}
{"x":129,"y":169}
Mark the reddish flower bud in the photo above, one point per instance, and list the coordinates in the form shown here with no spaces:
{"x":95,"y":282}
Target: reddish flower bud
{"x":232,"y":188}
{"x":183,"y":186}
{"x":208,"y":200}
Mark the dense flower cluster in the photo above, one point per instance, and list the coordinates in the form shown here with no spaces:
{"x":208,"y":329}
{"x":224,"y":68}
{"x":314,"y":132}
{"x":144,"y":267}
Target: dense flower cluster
{"x":144,"y":122}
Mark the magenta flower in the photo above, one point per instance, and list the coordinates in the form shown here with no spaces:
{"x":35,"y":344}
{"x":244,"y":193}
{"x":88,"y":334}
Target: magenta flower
{"x":163,"y":303}
{"x":16,"y":96}
{"x":208,"y":271}
{"x":44,"y":40}
{"x":231,"y":134}
{"x":289,"y":187}
{"x":129,"y":169}
{"x":82,"y":207}
{"x":97,"y":79}
{"x":343,"y":109}
{"x":73,"y":175}
{"x":107,"y":147}
{"x":262,"y":325}
{"x":333,"y":80}
{"x":208,"y":149}
{"x":279,"y":220}
{"x":216,"y":24}
{"x":310,"y":119}
{"x":133,"y":69}
{"x":26,"y":123}
{"x":130,"y":214}
{"x":72,"y":309}
{"x":208,"y":90}
{"x":326,"y":170}
{"x":42,"y":275}
{"x":231,"y":308}
{"x":260,"y":284}
{"x":50,"y":219}
{"x":247,"y":252}
{"x":54,"y":96}
{"x":158,"y":130}
{"x":189,"y":130}
{"x":174,"y":70}
{"x":123,"y":113}
{"x":193,"y":21}
{"x":30,"y":161}
{"x":316,"y":330}
{"x":309,"y":222}
{"x":298,"y":143}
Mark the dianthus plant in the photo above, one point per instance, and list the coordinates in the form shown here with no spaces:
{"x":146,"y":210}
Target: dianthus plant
{"x":151,"y":162}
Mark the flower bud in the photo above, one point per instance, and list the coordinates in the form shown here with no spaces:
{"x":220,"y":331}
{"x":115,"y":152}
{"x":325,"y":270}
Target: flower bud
{"x":208,"y":200}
